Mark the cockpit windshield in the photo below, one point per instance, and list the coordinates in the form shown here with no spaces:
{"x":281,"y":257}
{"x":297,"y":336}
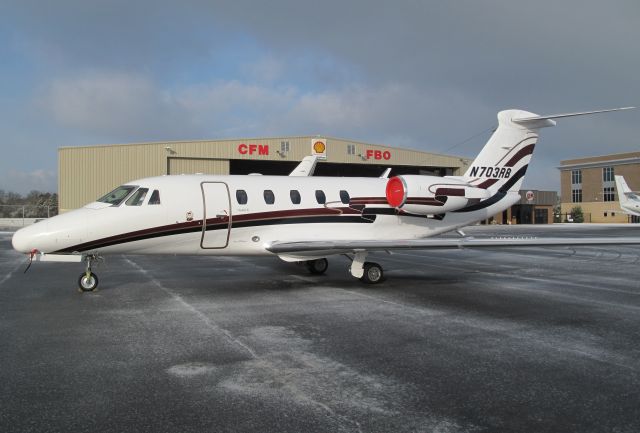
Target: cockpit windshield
{"x":115,"y":197}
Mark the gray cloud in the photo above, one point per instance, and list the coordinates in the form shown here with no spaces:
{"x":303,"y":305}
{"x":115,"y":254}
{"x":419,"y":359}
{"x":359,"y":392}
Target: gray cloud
{"x":418,"y":74}
{"x":23,"y":182}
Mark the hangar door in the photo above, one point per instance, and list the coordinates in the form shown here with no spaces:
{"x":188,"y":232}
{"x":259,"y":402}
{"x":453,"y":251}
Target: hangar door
{"x":177,"y":165}
{"x":217,"y":215}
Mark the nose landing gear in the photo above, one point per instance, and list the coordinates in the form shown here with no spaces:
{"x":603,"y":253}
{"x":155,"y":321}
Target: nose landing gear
{"x":88,"y":281}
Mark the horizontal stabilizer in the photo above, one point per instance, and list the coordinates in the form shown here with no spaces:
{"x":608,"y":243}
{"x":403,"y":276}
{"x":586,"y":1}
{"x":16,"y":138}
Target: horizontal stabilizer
{"x":542,"y":121}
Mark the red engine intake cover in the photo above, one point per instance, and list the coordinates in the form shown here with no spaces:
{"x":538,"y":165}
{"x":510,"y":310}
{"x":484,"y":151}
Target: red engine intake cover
{"x":396,"y":192}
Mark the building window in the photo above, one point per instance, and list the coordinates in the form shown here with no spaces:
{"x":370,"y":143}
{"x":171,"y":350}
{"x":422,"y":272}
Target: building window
{"x":576,"y":195}
{"x":295,"y":196}
{"x":576,"y":177}
{"x":320,"y":197}
{"x":609,"y":195}
{"x":605,"y":214}
{"x":607,"y":174}
{"x":284,"y":146}
{"x":269,"y":197}
{"x":351,"y":149}
{"x":344,"y":196}
{"x":241,"y":196}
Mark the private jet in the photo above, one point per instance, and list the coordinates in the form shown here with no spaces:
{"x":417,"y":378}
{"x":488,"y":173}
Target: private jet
{"x":629,"y":200}
{"x":301,"y":217}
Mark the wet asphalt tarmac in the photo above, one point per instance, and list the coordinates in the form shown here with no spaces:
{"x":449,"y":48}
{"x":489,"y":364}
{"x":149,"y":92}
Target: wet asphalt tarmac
{"x":526,"y":339}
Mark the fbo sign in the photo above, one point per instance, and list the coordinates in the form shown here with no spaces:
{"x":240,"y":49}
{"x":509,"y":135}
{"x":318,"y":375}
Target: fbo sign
{"x":378,"y":154}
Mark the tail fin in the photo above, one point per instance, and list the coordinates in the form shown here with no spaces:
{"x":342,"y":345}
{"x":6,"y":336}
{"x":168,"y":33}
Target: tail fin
{"x":502,"y":163}
{"x":306,"y":167}
{"x":624,"y":192}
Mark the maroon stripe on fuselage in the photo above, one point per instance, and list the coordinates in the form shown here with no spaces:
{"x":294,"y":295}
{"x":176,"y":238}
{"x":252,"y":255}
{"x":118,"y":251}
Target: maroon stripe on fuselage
{"x":167,"y":230}
{"x":368,"y":200}
{"x":527,"y":150}
{"x":424,"y":201}
{"x":453,"y":192}
{"x":194,"y":226}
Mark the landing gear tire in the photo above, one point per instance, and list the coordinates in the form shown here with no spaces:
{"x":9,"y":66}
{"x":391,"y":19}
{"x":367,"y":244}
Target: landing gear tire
{"x":88,"y":283}
{"x":317,"y":267}
{"x":372,"y":273}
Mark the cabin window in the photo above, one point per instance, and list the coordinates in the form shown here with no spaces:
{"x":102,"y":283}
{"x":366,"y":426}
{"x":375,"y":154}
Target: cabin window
{"x":295,"y":196}
{"x":115,"y":197}
{"x":155,"y":197}
{"x":320,"y":197}
{"x":269,"y":198}
{"x":344,"y":196}
{"x":137,"y":198}
{"x":241,"y":196}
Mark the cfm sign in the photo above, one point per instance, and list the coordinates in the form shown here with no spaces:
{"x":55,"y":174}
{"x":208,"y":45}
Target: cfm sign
{"x":251,"y":149}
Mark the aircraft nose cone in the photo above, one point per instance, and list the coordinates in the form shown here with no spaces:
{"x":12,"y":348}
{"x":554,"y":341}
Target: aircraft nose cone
{"x":22,"y":240}
{"x":32,"y":237}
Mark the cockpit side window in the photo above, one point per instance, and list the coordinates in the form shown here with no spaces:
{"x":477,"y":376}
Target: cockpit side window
{"x":137,"y":198}
{"x":155,"y":197}
{"x":115,"y":197}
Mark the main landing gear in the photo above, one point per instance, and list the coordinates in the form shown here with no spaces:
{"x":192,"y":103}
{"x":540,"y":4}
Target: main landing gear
{"x":88,"y":281}
{"x":367,"y":272}
{"x":317,"y":267}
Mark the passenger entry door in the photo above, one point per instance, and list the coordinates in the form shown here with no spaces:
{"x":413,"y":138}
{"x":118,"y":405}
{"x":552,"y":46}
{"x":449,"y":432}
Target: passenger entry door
{"x":216,"y":224}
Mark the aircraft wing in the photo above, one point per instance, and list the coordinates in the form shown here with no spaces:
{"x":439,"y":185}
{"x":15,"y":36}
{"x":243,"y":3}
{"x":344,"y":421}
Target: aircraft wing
{"x":316,"y":248}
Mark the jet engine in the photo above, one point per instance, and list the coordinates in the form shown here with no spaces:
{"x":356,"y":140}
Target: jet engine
{"x":431,"y":195}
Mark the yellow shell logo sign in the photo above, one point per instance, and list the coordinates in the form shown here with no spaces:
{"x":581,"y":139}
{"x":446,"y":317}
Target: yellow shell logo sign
{"x":319,"y":147}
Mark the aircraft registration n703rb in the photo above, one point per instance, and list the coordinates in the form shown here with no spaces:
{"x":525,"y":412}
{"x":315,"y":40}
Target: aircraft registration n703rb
{"x":301,"y":217}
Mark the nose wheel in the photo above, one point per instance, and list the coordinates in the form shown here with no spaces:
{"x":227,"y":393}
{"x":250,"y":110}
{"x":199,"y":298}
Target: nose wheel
{"x":88,"y":281}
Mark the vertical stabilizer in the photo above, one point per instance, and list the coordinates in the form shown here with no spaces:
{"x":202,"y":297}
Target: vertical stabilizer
{"x":502,"y":163}
{"x":629,"y":200}
{"x":306,"y":167}
{"x":624,"y":192}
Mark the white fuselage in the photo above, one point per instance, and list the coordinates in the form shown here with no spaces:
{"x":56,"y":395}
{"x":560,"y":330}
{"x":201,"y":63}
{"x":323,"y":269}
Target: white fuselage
{"x":204,"y":214}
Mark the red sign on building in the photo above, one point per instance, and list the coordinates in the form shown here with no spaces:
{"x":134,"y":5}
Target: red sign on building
{"x":251,"y":149}
{"x":378,"y":154}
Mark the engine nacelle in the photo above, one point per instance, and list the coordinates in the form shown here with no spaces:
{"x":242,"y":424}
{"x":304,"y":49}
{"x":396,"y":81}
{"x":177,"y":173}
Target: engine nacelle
{"x":431,"y":195}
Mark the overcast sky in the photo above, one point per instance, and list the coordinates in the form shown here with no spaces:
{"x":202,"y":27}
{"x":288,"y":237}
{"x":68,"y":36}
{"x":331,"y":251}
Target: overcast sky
{"x":426,"y":75}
